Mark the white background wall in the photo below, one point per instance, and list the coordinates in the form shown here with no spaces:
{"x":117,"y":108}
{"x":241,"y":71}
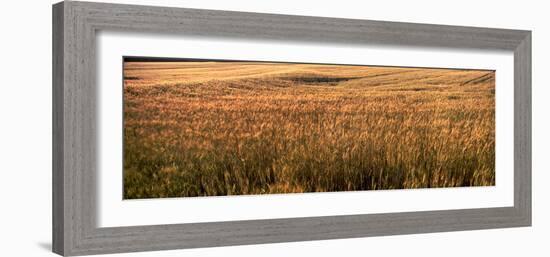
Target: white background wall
{"x":25,"y":127}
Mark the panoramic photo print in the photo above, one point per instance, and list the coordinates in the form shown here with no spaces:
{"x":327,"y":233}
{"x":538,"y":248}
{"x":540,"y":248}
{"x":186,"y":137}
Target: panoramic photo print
{"x":196,"y":127}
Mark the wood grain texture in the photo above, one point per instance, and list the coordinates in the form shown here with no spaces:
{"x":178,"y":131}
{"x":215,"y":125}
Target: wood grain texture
{"x":522,"y":128}
{"x":74,"y":121}
{"x":58,"y":229}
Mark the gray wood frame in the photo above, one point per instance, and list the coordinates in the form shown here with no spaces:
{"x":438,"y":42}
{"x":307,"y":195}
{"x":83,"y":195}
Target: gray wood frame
{"x":74,"y":113}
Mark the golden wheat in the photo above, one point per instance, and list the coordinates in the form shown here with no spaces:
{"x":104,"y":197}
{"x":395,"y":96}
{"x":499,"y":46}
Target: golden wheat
{"x":231,"y":128}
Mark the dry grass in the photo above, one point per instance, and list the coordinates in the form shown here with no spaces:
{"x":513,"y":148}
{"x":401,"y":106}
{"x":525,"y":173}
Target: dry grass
{"x":232,"y":128}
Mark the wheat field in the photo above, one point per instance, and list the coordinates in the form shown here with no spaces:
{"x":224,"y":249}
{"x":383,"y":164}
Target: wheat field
{"x":207,"y":128}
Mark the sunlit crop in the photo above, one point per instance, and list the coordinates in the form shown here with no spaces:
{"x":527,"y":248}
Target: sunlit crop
{"x":233,"y":128}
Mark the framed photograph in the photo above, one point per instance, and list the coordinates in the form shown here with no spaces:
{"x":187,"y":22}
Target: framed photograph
{"x":181,"y":128}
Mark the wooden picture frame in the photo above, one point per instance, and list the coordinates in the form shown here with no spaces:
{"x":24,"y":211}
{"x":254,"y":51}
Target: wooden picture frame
{"x":74,"y":130}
